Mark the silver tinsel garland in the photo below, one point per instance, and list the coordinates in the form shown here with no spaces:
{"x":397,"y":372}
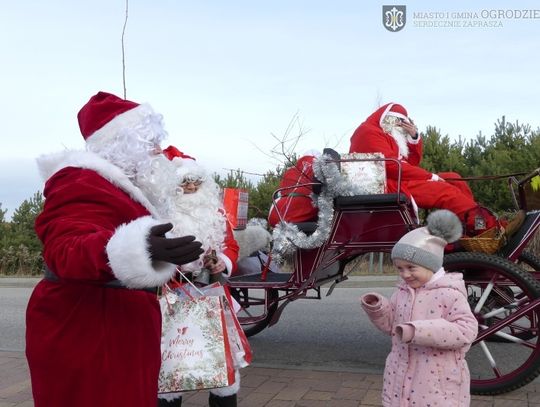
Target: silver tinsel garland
{"x":287,"y":237}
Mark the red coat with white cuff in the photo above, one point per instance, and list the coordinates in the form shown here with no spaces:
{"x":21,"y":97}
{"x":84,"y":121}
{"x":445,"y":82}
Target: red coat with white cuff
{"x":229,"y":251}
{"x":94,"y":345}
{"x":417,"y":182}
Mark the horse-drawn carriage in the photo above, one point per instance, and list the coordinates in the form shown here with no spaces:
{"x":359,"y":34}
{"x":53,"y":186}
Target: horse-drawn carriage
{"x":503,"y":286}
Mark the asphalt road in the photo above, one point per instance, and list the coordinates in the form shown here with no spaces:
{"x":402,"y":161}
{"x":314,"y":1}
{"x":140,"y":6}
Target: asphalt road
{"x":13,"y":303}
{"x":332,"y":332}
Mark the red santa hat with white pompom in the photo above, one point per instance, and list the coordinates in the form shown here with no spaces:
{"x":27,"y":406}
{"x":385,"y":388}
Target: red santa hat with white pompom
{"x":186,"y":165}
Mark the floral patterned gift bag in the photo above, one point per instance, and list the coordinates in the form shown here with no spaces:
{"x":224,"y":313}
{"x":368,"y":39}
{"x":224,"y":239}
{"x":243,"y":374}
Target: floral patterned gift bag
{"x":239,"y":345}
{"x":195,"y":349}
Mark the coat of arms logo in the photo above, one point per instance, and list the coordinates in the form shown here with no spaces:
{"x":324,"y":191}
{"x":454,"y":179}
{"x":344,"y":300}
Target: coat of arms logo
{"x":394,"y":17}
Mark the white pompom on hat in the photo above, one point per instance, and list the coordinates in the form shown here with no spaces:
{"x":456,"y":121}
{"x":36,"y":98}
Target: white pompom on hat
{"x":186,"y":165}
{"x":425,"y":246}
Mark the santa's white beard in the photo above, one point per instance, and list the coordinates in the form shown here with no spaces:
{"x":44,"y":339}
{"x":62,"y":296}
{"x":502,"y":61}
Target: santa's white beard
{"x":198,"y":214}
{"x":389,"y":125}
{"x":132,"y":150}
{"x":400,"y":136}
{"x":156,"y":177}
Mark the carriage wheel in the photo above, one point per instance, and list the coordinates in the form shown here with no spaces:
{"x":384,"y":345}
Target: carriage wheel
{"x":497,"y":289}
{"x":529,"y":262}
{"x":257,"y":308}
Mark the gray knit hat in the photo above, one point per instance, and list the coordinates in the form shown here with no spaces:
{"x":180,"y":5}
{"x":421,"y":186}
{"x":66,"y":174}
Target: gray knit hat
{"x":425,"y":246}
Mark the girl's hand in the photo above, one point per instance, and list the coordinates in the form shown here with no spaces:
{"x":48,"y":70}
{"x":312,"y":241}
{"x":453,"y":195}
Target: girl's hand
{"x":370,"y":299}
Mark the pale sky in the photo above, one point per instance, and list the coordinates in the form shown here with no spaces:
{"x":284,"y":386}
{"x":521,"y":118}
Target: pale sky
{"x":226,"y":75}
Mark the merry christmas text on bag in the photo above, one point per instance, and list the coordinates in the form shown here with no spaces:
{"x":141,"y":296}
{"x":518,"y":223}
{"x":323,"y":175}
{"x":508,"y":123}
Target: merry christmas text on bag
{"x":195,"y":348}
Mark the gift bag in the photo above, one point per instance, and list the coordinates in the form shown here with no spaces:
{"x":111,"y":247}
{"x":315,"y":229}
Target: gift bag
{"x":367,"y":177}
{"x":239,"y":345}
{"x":238,"y":342}
{"x":195,"y":348}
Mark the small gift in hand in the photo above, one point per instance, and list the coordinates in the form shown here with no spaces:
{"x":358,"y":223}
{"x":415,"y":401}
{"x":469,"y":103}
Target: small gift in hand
{"x":215,"y":265}
{"x":210,"y":259}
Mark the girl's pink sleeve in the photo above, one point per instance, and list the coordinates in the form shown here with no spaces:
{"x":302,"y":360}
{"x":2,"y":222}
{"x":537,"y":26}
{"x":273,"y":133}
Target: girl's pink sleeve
{"x":379,"y":310}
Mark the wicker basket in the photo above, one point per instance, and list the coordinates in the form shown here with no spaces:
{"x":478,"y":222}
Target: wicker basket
{"x":488,"y":242}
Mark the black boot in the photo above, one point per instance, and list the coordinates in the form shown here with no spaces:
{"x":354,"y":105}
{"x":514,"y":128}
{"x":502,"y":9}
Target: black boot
{"x":173,"y":403}
{"x":226,"y":401}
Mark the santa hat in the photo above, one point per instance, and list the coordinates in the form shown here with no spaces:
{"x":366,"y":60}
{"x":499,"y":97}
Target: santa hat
{"x":105,"y":114}
{"x":186,"y":165}
{"x":393,"y":109}
{"x":425,"y":246}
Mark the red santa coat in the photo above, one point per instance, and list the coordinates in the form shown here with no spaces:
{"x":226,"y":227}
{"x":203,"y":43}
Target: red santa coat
{"x":87,"y":344}
{"x":369,"y":137}
{"x":229,"y":251}
{"x":295,"y":204}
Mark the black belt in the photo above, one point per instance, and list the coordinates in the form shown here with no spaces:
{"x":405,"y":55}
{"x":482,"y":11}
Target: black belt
{"x":50,"y":276}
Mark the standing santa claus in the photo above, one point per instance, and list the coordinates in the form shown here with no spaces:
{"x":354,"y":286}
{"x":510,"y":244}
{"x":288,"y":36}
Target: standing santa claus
{"x":390,"y":131}
{"x":198,"y":211}
{"x":93,"y":324}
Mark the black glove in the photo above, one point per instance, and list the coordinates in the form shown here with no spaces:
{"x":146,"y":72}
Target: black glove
{"x":178,"y":250}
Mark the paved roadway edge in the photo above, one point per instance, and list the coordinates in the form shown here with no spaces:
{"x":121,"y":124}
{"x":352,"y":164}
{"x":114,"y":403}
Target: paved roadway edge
{"x":351,"y":282}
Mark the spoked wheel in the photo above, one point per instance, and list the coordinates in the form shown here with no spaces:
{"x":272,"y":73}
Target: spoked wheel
{"x":257,"y":307}
{"x":506,"y":352}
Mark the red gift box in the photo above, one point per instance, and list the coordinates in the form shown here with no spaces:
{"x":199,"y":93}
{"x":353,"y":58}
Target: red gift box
{"x":235,"y":203}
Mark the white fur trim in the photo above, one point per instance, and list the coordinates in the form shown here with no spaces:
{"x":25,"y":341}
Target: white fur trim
{"x":229,"y":390}
{"x":413,"y":140}
{"x":181,"y":162}
{"x":435,"y":177}
{"x":50,"y":164}
{"x":129,"y":119}
{"x":129,"y":257}
{"x":397,"y":114}
{"x":252,"y":238}
{"x":185,"y":166}
{"x":385,"y":113}
{"x":228,"y":264}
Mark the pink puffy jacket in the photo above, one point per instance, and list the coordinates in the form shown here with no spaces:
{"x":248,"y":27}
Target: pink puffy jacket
{"x":432,"y":328}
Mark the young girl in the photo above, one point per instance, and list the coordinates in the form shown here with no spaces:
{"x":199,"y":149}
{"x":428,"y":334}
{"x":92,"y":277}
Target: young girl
{"x":430,"y":321}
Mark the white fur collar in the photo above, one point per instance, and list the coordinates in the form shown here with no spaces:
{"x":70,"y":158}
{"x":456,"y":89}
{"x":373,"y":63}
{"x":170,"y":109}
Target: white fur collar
{"x":50,"y":164}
